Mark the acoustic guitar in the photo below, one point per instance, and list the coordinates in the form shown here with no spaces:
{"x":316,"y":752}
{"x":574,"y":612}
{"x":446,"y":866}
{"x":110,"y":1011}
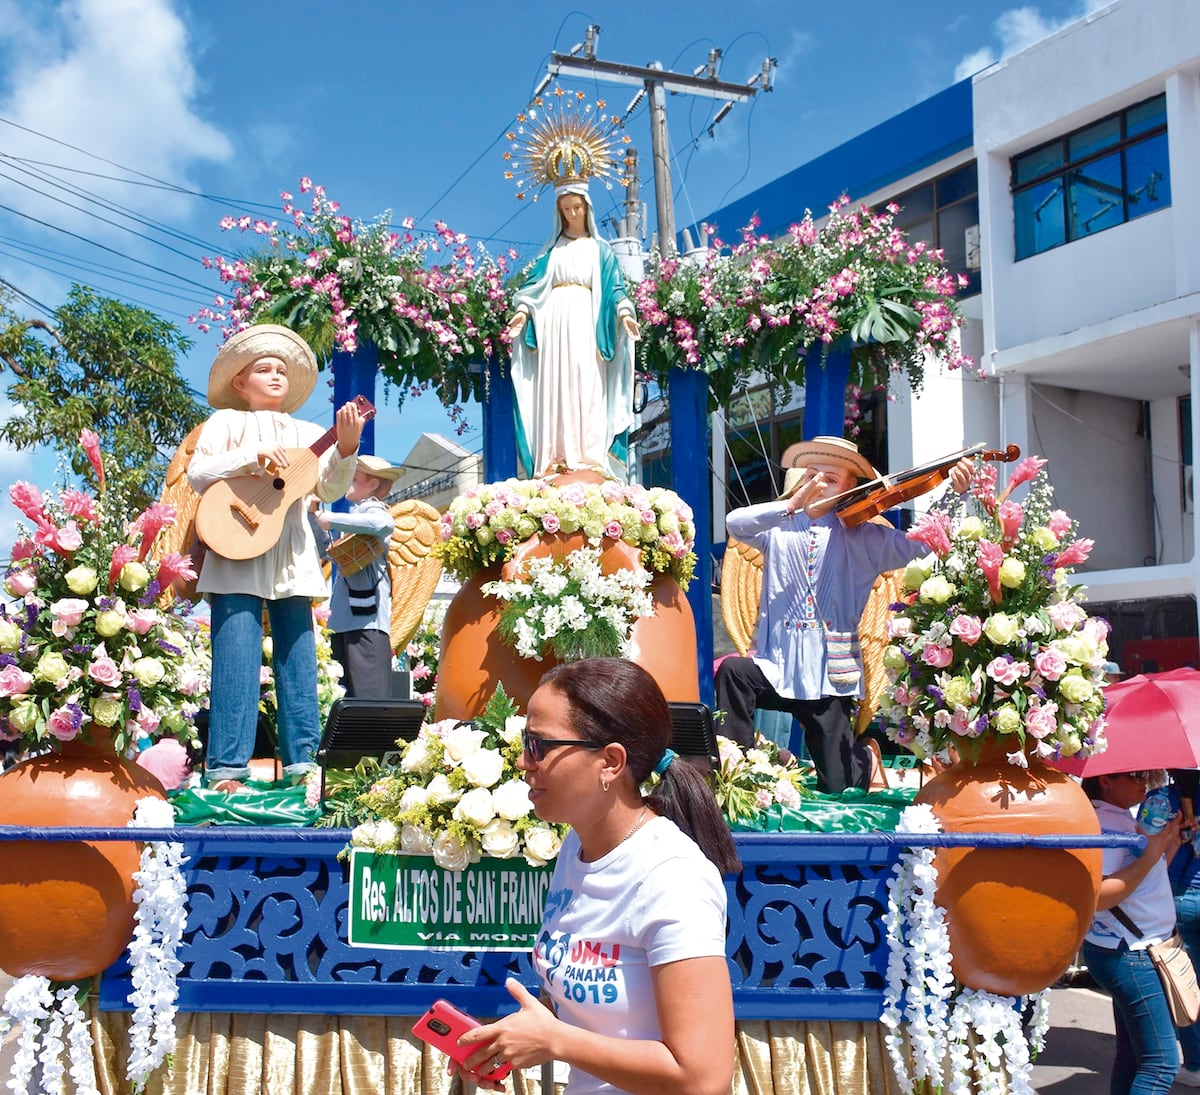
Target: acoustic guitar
{"x":242,"y":517}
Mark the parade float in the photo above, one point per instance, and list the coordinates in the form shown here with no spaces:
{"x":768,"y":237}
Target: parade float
{"x":301,"y":968}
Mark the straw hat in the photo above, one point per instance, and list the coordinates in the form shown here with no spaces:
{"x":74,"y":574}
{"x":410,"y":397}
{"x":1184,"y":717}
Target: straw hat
{"x":246,"y":347}
{"x":826,"y":450}
{"x":380,"y":469}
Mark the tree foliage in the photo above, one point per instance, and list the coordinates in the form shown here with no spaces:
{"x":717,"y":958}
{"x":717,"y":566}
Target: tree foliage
{"x":106,"y":366}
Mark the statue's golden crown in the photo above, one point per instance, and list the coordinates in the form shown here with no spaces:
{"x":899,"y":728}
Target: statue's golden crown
{"x":561,"y":139}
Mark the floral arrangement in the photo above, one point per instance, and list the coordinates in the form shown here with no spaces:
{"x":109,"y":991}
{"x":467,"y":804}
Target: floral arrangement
{"x":929,"y":1021}
{"x":766,"y":302}
{"x":749,"y":781}
{"x":458,"y":795}
{"x":51,"y":1017}
{"x":83,"y":644}
{"x":329,"y":676}
{"x":571,"y":609}
{"x":422,"y":652}
{"x":993,"y":643}
{"x":485,"y":524}
{"x":341,"y":283}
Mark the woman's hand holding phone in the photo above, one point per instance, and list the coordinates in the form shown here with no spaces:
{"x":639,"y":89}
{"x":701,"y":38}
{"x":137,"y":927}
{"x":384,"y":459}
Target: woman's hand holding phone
{"x":442,"y":1026}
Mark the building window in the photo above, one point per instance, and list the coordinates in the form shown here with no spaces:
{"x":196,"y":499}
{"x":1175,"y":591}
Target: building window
{"x":1105,"y":174}
{"x":944,"y":212}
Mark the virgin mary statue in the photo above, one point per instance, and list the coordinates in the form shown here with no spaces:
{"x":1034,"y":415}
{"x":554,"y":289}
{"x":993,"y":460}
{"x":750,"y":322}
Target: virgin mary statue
{"x":572,"y":353}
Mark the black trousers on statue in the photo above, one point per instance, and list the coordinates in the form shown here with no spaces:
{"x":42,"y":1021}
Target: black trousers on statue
{"x":366,"y":658}
{"x":841,"y":760}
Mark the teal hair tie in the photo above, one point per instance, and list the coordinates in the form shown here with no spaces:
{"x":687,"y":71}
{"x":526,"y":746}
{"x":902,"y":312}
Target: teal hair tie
{"x":665,"y":763}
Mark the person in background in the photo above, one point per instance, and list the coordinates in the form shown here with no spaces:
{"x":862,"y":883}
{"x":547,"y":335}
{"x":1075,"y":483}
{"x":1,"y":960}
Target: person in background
{"x":817,"y":577}
{"x":257,"y":379}
{"x":360,"y":616}
{"x":637,"y":886}
{"x":1135,"y":909}
{"x":1185,"y":884}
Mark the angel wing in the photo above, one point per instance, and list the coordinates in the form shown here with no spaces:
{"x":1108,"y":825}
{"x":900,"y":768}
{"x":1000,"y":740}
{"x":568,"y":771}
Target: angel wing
{"x":181,"y":536}
{"x":414,"y":568}
{"x":741,"y":588}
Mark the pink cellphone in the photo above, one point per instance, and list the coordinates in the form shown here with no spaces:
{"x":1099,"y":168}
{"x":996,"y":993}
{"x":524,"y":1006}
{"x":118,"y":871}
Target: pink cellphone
{"x":442,"y":1026}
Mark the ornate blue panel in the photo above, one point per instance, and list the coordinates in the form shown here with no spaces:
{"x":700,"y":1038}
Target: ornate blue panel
{"x":266,"y":933}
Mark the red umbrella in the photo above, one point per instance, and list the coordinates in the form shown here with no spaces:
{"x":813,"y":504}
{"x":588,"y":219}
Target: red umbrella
{"x":1153,"y":722}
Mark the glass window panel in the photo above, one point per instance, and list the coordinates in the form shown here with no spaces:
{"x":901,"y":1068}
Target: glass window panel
{"x":922,"y":230}
{"x":1095,"y":138}
{"x":1038,"y":162}
{"x":1147,"y":176}
{"x":788,"y":433}
{"x":963,"y":183}
{"x":1095,"y":198}
{"x":1038,"y":216}
{"x":749,"y":408}
{"x":952,"y":233}
{"x":915,"y":206}
{"x":1147,"y":115}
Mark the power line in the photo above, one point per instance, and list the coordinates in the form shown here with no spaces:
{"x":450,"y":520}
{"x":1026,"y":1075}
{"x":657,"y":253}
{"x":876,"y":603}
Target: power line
{"x":49,"y":312}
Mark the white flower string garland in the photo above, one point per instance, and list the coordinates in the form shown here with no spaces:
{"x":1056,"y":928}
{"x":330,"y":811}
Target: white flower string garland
{"x":921,"y":1004}
{"x":51,"y":1017}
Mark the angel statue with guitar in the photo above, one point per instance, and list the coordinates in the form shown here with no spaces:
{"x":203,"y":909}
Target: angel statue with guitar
{"x":822,"y":555}
{"x":254,"y":474}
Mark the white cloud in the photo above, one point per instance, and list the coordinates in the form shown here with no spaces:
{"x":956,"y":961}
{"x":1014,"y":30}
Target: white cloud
{"x":113,"y":77}
{"x":1018,"y":29}
{"x":800,"y":44}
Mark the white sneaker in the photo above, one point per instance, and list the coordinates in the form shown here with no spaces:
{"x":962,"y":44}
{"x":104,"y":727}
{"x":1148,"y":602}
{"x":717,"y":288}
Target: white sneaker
{"x":1189,"y":1077}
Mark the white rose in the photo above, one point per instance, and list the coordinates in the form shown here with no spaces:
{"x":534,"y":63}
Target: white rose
{"x":450,"y":855}
{"x":541,"y":845}
{"x":475,"y":807}
{"x":415,"y":840}
{"x":416,"y":756}
{"x":500,"y":839}
{"x":483,"y":768}
{"x":513,"y":726}
{"x":462,"y":741}
{"x":413,"y":797}
{"x":511,"y":799}
{"x":363,"y":835}
{"x":439,"y":791}
{"x":386,"y":835}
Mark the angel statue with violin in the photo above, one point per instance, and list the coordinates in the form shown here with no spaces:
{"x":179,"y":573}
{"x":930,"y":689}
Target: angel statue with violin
{"x":819,"y":568}
{"x":573,"y":326}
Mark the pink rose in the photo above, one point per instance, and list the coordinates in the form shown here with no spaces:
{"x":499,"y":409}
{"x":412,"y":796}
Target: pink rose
{"x":550,"y":522}
{"x":1058,"y":522}
{"x":613,"y":530}
{"x":1042,"y":721}
{"x":147,"y":721}
{"x":1006,"y":671}
{"x":960,"y":721}
{"x":898,"y":627}
{"x":104,"y":671}
{"x":141,"y":620}
{"x":1050,"y":664}
{"x":321,"y":613}
{"x":475,"y":520}
{"x":64,"y":724}
{"x":1065,"y":615}
{"x":22,"y":582}
{"x":14,"y":681}
{"x":647,"y":517}
{"x":504,"y":535}
{"x":967,"y":628}
{"x":69,"y":611}
{"x":936,"y":655}
{"x":494,"y":508}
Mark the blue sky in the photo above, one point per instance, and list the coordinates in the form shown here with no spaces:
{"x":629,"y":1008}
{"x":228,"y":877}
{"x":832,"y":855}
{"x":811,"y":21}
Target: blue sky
{"x":401,"y":106}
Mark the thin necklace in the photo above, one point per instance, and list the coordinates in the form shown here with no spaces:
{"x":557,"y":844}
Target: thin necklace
{"x":636,"y":825}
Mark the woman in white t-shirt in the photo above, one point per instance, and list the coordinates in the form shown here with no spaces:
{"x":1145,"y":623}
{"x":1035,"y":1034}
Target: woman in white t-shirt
{"x":631,"y":952}
{"x":1135,"y":909}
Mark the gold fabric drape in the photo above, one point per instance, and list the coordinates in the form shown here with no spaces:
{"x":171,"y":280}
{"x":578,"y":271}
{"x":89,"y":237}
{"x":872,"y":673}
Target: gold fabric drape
{"x":218,"y":1053}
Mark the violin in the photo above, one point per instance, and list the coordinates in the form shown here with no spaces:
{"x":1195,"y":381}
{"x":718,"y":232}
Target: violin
{"x":858,"y":505}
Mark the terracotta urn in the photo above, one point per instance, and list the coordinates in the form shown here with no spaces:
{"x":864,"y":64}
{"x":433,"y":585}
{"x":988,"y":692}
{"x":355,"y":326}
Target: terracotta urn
{"x":474,"y":659}
{"x":1016,"y":916}
{"x":66,"y":908}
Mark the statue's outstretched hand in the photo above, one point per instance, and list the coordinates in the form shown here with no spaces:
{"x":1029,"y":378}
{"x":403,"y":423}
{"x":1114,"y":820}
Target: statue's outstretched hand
{"x":631,"y":327}
{"x":517,"y":324}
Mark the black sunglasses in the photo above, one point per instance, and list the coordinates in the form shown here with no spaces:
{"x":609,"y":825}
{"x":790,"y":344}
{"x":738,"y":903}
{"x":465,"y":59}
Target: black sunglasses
{"x":1141,"y":777}
{"x":535,"y":747}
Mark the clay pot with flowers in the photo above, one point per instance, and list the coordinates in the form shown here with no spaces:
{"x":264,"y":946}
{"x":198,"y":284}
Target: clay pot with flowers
{"x":994,"y":661}
{"x":89,"y":667}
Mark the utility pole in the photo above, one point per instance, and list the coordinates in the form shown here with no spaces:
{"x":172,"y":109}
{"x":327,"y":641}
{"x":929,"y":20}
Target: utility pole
{"x":658,"y":81}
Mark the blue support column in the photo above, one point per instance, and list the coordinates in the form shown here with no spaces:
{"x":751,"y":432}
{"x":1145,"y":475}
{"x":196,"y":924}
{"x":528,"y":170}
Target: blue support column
{"x":499,"y":424}
{"x":354,"y":374}
{"x":825,"y":391}
{"x":688,"y":396}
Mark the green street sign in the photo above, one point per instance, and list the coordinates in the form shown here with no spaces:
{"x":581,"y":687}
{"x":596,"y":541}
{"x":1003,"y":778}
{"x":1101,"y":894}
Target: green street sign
{"x":408,"y":902}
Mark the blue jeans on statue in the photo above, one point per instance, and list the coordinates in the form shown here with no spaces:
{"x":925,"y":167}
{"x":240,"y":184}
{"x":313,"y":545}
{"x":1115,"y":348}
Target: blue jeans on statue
{"x":237,"y":636}
{"x":1187,"y":921}
{"x":1147,"y":1054}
